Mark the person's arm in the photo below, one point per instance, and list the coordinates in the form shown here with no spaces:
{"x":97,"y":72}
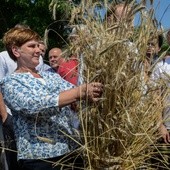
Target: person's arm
{"x":3,"y":111}
{"x":25,"y":94}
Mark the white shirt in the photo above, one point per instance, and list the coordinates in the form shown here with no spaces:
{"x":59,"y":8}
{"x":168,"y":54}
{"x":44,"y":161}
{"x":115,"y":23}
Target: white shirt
{"x":162,"y":72}
{"x":7,"y":65}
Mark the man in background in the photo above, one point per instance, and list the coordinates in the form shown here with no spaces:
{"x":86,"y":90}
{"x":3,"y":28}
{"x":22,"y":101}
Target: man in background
{"x":55,"y":58}
{"x":42,"y":66}
{"x":67,"y":69}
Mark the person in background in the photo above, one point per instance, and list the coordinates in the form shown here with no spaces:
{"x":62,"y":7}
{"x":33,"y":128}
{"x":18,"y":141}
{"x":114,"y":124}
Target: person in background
{"x":147,"y":65}
{"x":153,"y":48}
{"x":117,"y":13}
{"x":7,"y":65}
{"x":160,"y":78}
{"x":67,"y":69}
{"x":55,"y":58}
{"x":9,"y":155}
{"x":45,"y":127}
{"x":42,"y":66}
{"x":43,"y":48}
{"x":121,"y":13}
{"x":164,"y":67}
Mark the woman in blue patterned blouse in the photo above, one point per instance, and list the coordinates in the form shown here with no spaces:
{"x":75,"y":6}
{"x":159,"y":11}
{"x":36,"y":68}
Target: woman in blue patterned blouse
{"x":45,"y":126}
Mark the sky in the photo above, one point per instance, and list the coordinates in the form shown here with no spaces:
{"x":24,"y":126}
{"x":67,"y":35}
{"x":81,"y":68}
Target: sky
{"x":162,"y":12}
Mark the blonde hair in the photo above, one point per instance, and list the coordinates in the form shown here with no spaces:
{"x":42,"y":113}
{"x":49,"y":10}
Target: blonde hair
{"x":17,"y":37}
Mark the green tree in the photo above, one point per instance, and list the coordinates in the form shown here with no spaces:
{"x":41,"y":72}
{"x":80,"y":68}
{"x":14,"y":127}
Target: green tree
{"x":37,"y":15}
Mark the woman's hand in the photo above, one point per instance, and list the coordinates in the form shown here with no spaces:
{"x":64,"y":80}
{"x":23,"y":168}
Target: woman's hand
{"x":92,"y":91}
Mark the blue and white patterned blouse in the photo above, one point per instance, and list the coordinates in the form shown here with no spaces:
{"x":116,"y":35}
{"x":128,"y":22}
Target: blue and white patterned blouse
{"x":42,"y":129}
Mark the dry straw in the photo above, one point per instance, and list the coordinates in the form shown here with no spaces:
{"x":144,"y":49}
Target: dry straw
{"x":120,"y":131}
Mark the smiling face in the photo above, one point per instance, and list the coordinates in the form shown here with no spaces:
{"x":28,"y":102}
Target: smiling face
{"x":28,"y":54}
{"x":22,"y":45}
{"x":55,"y":58}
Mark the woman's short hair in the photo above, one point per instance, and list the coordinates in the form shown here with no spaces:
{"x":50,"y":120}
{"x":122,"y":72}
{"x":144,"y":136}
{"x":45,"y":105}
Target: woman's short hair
{"x":17,"y":37}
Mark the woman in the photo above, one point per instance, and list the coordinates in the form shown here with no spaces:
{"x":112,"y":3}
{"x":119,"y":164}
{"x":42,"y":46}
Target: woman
{"x":44,"y":124}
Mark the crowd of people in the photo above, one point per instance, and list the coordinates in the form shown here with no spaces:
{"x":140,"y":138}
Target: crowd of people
{"x":40,"y":122}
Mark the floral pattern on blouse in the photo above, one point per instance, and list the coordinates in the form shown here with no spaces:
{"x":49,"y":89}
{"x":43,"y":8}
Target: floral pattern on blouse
{"x":42,"y":129}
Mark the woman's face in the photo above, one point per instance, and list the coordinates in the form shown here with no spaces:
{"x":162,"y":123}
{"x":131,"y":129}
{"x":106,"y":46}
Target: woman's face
{"x":28,"y":54}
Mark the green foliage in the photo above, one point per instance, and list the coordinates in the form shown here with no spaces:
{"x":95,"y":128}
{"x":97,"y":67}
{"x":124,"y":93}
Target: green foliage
{"x":37,"y":15}
{"x":61,"y":7}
